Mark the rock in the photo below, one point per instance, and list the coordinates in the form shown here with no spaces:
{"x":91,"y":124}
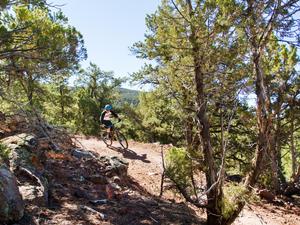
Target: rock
{"x":110,"y":191}
{"x":27,"y":167}
{"x":99,"y":202}
{"x":113,"y":191}
{"x":15,"y":121}
{"x":267,"y":195}
{"x":20,"y":146}
{"x":19,"y":157}
{"x":78,"y":153}
{"x":33,"y":194}
{"x":54,"y":147}
{"x":81,"y":193}
{"x":118,"y":167}
{"x":93,"y":211}
{"x":116,"y":180}
{"x":115,"y":186}
{"x":97,"y":179}
{"x":12,"y":205}
{"x":33,"y":188}
{"x":43,"y":144}
{"x":22,"y":140}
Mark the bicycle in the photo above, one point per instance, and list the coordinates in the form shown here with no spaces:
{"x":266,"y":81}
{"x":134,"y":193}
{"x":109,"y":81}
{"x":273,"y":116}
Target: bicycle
{"x":115,"y":134}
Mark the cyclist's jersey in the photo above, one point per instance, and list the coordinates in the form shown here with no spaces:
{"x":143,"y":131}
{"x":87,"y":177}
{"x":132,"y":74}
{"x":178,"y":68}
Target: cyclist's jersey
{"x":106,"y":115}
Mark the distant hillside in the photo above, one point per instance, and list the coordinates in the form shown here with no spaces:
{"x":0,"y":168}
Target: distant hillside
{"x":129,"y":96}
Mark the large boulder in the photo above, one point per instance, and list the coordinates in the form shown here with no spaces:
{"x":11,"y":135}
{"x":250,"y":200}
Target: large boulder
{"x":12,"y":205}
{"x":20,"y":146}
{"x":33,"y":187}
{"x":25,"y":164}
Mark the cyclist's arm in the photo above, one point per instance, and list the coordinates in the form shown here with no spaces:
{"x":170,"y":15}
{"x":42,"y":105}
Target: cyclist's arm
{"x":115,"y":114}
{"x":102,"y":117}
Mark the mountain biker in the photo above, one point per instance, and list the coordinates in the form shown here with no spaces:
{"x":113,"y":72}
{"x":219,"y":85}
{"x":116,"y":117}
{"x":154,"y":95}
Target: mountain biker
{"x":105,"y":118}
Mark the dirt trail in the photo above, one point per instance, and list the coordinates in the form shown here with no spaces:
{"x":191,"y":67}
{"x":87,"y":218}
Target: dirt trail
{"x":145,"y":164}
{"x":145,"y":167}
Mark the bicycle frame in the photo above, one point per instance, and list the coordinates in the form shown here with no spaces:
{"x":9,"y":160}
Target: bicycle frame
{"x":115,"y":134}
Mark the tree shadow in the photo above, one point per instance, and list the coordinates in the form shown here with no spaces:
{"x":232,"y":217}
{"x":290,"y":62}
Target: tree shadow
{"x":130,"y":154}
{"x":138,"y":207}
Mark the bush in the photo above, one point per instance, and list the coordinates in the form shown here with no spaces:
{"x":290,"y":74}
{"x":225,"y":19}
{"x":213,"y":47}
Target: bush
{"x":178,"y":167}
{"x":234,"y":195}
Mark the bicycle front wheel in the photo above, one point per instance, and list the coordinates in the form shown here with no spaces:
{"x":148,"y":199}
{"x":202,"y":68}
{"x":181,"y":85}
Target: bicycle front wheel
{"x":106,"y":139}
{"x":122,"y":140}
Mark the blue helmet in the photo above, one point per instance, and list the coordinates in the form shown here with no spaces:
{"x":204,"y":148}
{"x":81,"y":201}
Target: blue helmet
{"x":108,"y":107}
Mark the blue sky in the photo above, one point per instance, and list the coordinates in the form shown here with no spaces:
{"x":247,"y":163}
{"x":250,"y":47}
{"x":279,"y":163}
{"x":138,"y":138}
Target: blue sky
{"x":109,"y":28}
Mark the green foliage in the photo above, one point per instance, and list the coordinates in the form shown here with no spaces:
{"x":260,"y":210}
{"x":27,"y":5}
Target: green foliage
{"x":48,"y":49}
{"x":154,"y":119}
{"x":4,"y":152}
{"x":128,"y":96}
{"x":94,"y":89}
{"x":178,"y":167}
{"x":59,"y":107}
{"x":234,"y":195}
{"x":87,"y":119}
{"x":159,"y":117}
{"x":175,"y":41}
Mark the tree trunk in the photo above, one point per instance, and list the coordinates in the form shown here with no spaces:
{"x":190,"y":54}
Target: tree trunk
{"x":279,"y":181}
{"x":30,"y":89}
{"x":263,"y":119}
{"x":215,"y":195}
{"x":293,"y":150}
{"x":274,"y":167}
{"x":62,"y":107}
{"x":189,"y":133}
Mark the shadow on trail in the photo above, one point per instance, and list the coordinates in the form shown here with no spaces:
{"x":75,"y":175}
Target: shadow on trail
{"x":133,"y":204}
{"x":130,"y":154}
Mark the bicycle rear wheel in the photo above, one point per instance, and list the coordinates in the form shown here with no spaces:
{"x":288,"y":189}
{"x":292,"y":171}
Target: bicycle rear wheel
{"x":106,"y":139}
{"x":121,"y":139}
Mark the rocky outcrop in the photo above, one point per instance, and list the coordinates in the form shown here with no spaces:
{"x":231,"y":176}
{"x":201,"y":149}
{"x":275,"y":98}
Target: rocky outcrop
{"x":115,"y":166}
{"x":12,"y":205}
{"x":20,"y":146}
{"x":25,"y":164}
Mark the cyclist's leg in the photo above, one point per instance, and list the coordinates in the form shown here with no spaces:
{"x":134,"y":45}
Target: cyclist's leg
{"x":111,"y":130}
{"x":108,"y":124}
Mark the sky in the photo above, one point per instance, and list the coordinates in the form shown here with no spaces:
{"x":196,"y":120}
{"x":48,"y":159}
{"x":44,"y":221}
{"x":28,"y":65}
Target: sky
{"x":109,"y":28}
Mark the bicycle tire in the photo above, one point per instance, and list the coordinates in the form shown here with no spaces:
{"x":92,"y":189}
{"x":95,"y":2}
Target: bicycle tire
{"x":122,"y":140}
{"x":107,"y":141}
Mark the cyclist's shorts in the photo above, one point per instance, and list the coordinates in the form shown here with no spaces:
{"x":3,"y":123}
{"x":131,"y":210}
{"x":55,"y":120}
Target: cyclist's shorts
{"x":107,"y":123}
